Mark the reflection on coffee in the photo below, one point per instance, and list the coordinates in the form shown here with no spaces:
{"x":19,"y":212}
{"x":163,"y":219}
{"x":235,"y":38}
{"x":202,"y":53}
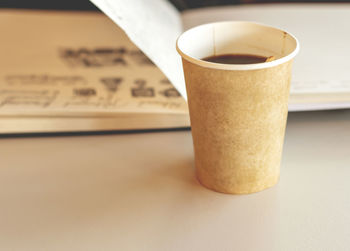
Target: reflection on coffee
{"x":237,"y":59}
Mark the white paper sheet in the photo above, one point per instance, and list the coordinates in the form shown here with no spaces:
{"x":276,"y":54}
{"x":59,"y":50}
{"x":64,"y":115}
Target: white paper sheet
{"x":154,"y":26}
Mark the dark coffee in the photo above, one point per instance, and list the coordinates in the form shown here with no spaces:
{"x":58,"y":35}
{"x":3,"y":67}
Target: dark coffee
{"x":236,"y":59}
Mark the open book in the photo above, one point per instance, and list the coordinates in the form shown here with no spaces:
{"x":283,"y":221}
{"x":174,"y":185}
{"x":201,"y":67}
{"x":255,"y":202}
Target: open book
{"x":78,"y":71}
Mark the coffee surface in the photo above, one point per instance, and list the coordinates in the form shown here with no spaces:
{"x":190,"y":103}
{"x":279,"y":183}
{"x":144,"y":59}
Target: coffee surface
{"x":236,"y":59}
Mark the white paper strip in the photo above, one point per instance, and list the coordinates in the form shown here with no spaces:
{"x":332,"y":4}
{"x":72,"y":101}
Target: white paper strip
{"x":154,"y":26}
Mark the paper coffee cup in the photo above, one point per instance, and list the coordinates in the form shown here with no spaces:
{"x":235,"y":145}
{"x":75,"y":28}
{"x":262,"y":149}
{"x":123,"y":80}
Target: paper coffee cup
{"x":238,"y":112}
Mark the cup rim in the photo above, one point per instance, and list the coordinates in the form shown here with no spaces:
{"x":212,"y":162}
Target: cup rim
{"x":238,"y":66}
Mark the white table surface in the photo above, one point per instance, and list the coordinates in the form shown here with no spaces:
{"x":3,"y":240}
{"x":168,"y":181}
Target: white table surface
{"x":138,"y":192}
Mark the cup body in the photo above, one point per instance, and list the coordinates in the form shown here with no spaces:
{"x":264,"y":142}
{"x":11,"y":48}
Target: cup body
{"x":238,"y":112}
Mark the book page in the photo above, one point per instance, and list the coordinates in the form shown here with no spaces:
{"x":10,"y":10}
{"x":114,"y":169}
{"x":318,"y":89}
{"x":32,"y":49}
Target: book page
{"x":153,"y":26}
{"x":77,"y":64}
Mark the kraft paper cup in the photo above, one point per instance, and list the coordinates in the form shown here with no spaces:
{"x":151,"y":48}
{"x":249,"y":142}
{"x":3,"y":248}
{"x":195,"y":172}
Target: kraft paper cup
{"x":238,"y":112}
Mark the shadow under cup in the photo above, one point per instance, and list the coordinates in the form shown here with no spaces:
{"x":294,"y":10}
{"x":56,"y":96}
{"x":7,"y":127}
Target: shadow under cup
{"x":238,"y":112}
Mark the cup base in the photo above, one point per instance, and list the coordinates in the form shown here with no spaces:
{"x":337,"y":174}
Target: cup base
{"x":244,"y":189}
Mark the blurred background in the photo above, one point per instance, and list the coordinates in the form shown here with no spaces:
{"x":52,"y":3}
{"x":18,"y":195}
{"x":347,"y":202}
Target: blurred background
{"x":87,"y":5}
{"x":89,"y":48}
